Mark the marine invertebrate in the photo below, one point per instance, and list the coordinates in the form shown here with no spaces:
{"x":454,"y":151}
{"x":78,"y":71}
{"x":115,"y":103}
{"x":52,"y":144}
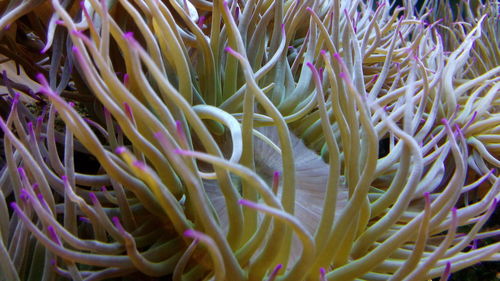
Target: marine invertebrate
{"x":295,"y":140}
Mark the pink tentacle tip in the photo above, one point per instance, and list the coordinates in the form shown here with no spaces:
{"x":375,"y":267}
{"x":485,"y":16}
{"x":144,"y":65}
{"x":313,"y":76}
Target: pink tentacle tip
{"x":247,"y":203}
{"x":77,"y":33}
{"x":41,"y":79}
{"x":128,"y":35}
{"x":75,"y":50}
{"x":178,"y":125}
{"x":64,"y":178}
{"x":139,"y":164}
{"x":322,"y":52}
{"x":120,"y":150}
{"x":343,"y":75}
{"x":180,"y":151}
{"x":229,"y":50}
{"x":322,"y":274}
{"x":104,"y":189}
{"x":126,"y":78}
{"x":309,"y":9}
{"x":189,"y":233}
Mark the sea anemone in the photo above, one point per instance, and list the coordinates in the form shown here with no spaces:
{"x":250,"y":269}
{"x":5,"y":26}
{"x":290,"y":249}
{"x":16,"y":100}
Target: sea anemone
{"x":248,"y":140}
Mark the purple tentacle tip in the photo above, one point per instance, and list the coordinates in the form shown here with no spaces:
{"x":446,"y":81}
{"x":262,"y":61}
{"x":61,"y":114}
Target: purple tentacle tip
{"x":21,"y":172}
{"x":118,"y":224}
{"x":53,"y":234}
{"x":84,"y":219}
{"x":30,"y":126}
{"x":93,"y":198}
{"x":15,"y":207}
{"x":24,"y":195}
{"x":40,"y":198}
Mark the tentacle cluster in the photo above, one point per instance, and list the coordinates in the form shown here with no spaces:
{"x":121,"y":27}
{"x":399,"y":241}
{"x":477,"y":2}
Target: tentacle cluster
{"x":248,"y":140}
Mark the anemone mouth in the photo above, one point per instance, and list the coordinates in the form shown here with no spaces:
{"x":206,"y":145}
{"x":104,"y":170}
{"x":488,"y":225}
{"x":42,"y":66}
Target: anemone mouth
{"x":248,"y":140}
{"x":312,"y":177}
